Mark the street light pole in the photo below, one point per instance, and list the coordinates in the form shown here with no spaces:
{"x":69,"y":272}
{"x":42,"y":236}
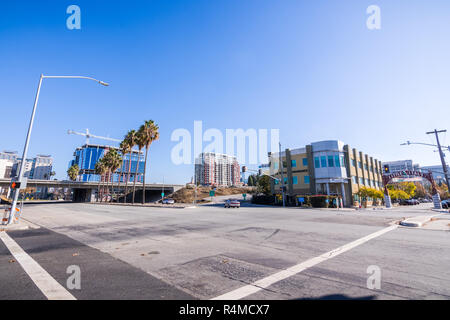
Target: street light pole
{"x":441,"y":154}
{"x":282,"y":178}
{"x":27,"y":141}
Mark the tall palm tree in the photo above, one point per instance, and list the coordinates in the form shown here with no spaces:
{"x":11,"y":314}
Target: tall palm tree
{"x":140,"y":143}
{"x":114,"y":161}
{"x":100,"y":169}
{"x":131,"y":140}
{"x":107,"y":162}
{"x":124,"y":149}
{"x":73,"y":172}
{"x":150,"y":133}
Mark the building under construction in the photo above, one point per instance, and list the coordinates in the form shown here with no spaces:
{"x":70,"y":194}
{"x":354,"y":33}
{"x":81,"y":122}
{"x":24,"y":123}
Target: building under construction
{"x":87,"y":156}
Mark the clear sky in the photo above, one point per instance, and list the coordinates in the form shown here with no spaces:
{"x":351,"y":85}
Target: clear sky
{"x":310,"y":68}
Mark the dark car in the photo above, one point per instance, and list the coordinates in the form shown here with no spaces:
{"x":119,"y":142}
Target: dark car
{"x":445,"y":204}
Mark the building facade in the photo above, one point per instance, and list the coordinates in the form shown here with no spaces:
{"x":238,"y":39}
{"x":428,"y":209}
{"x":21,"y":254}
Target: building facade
{"x":38,"y":168}
{"x":437,"y":171}
{"x":399,"y":165}
{"x":325,"y":167}
{"x":214,"y":169}
{"x":87,"y":156}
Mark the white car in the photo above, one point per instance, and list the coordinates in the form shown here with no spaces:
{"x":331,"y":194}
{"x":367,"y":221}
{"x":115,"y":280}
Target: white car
{"x":168,"y":201}
{"x":232,"y":203}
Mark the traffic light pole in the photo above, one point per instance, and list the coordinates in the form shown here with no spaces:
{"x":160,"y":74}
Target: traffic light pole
{"x":24,"y":154}
{"x":441,"y":154}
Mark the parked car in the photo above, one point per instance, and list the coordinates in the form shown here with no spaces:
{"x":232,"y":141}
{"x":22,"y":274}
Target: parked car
{"x":232,"y":203}
{"x":415,"y":201}
{"x":445,"y":204}
{"x":168,"y":201}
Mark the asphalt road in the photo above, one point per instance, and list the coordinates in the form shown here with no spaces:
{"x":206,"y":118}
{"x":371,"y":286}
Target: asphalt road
{"x":209,"y":251}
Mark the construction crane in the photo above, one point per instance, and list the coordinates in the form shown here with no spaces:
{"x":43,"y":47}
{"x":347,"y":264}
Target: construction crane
{"x":88,"y":135}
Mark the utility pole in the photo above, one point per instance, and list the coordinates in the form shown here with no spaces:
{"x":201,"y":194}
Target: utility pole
{"x":282,"y":178}
{"x":441,"y":154}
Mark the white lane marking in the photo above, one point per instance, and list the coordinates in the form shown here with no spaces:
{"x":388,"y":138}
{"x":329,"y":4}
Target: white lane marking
{"x":43,"y":280}
{"x":268,"y":281}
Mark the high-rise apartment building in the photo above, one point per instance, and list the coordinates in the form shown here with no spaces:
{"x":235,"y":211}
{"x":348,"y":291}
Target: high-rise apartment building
{"x":214,"y":169}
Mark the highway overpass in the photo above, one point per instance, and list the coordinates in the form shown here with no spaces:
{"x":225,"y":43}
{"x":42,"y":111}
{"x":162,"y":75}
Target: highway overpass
{"x":86,"y":191}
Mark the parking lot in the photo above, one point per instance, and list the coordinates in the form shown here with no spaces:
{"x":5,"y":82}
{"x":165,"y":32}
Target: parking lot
{"x":253,"y":252}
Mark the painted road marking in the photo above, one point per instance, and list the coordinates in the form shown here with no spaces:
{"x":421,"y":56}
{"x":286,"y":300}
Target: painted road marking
{"x":41,"y":278}
{"x":270,"y":280}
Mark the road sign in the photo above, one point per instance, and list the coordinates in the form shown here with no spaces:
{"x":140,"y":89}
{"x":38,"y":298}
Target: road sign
{"x":301,"y":200}
{"x":212,"y":193}
{"x":244,"y":195}
{"x":162,"y":194}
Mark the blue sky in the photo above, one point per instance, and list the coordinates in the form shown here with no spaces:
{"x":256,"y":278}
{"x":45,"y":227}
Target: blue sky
{"x":310,"y":68}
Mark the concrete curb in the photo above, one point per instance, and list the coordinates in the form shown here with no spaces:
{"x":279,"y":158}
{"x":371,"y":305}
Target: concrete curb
{"x":417,"y":222}
{"x":22,"y":225}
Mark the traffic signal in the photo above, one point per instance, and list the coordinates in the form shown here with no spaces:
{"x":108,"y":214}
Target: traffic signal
{"x":244,"y":169}
{"x":386,"y":168}
{"x":15,"y":185}
{"x":260,"y":172}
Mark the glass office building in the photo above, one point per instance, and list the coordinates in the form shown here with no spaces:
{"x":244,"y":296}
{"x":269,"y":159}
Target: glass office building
{"x":87,"y":156}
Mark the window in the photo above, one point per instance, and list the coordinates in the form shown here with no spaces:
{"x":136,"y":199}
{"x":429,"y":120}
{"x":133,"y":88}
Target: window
{"x":306,"y":179}
{"x":316,"y":162}
{"x":285,"y":180}
{"x":367,"y":182}
{"x":293,"y":163}
{"x":365,"y":167}
{"x":277,"y":182}
{"x":354,"y":180}
{"x":323,"y":161}
{"x":305,"y":162}
{"x":361,"y":181}
{"x":275,"y":165}
{"x":294,"y":180}
{"x":330,"y":161}
{"x":336,"y":161}
{"x":360,"y":164}
{"x":354,"y":162}
{"x":342,"y":161}
{"x":284,"y":164}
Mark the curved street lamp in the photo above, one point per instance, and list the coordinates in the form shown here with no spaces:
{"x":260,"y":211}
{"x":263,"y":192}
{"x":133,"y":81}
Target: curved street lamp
{"x":30,"y":127}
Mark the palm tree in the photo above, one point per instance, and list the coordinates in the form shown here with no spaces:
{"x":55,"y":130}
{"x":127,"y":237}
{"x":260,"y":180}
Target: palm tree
{"x":100,"y":169}
{"x":150,"y":133}
{"x":124,"y":149}
{"x":114,"y":161}
{"x":131,"y":140}
{"x":73,"y":172}
{"x":140,"y":143}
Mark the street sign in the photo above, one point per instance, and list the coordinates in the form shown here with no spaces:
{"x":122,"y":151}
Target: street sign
{"x":162,"y":194}
{"x":212,"y":193}
{"x":301,"y":200}
{"x":244,"y":195}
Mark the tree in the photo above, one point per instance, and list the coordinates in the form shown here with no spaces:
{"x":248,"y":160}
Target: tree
{"x":263,"y":185}
{"x":150,"y":133}
{"x":140,"y":143}
{"x":252,"y":180}
{"x":114,"y":162}
{"x":73,"y":172}
{"x":130,"y":139}
{"x":124,"y":149}
{"x":100,"y":169}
